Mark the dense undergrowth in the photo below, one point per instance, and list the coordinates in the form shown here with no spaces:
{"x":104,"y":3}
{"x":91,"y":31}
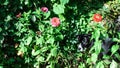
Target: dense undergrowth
{"x":47,"y":33}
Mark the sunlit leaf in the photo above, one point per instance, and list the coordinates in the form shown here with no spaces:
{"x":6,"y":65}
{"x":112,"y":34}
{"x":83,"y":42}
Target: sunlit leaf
{"x":58,"y":9}
{"x":51,"y":40}
{"x":54,"y":52}
{"x":100,"y":65}
{"x":94,"y":57}
{"x":47,"y":14}
{"x":44,"y":49}
{"x":64,"y":1}
{"x":34,"y":53}
{"x":39,"y":40}
{"x":114,"y":48}
{"x":113,"y":64}
{"x":33,"y":18}
{"x":28,"y":40}
{"x":40,"y":58}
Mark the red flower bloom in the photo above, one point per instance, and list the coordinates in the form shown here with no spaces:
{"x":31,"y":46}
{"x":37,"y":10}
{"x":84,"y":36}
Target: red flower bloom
{"x":97,"y":18}
{"x":55,"y":21}
{"x":18,"y":15}
{"x":44,"y":9}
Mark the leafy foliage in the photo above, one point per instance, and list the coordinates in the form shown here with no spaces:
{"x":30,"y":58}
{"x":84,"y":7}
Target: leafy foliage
{"x":28,"y":39}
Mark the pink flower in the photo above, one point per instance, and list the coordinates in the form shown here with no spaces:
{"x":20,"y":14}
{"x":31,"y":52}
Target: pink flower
{"x":55,"y":21}
{"x":18,"y":15}
{"x":44,"y":9}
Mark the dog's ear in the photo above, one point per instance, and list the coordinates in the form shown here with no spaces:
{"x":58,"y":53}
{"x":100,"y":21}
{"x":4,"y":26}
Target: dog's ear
{"x":79,"y":37}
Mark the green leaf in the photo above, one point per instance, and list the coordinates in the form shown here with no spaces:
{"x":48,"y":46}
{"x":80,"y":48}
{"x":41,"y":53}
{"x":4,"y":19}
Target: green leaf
{"x":63,"y":2}
{"x":1,"y":39}
{"x":49,"y":56}
{"x":1,"y":66}
{"x":62,"y":18}
{"x":47,"y":14}
{"x":0,"y":29}
{"x":54,"y":52}
{"x":51,"y":40}
{"x":107,"y":62}
{"x":88,"y":60}
{"x":8,"y":18}
{"x":40,"y":58}
{"x":34,"y":53}
{"x":100,"y":65}
{"x":117,"y":55}
{"x":81,"y":65}
{"x":28,"y":40}
{"x":97,"y":34}
{"x":114,"y":48}
{"x":106,"y":56}
{"x":116,"y":40}
{"x":41,"y":27}
{"x":53,"y":0}
{"x":59,"y":37}
{"x":23,"y":48}
{"x":44,"y":49}
{"x":97,"y":47}
{"x":52,"y":65}
{"x":58,"y":9}
{"x":26,"y":2}
{"x":113,"y":64}
{"x":39,"y":40}
{"x":6,"y":2}
{"x":33,"y":18}
{"x":94,"y":57}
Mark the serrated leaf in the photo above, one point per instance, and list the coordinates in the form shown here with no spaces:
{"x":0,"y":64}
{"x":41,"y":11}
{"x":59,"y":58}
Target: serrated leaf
{"x":58,"y":9}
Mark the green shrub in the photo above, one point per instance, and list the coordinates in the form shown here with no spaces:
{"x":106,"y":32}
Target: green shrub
{"x":39,"y":34}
